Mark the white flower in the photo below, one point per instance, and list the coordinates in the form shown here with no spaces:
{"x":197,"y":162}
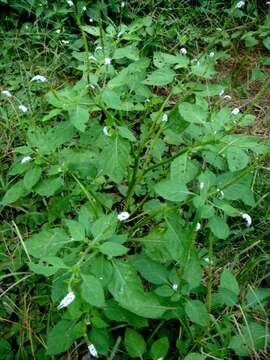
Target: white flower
{"x":175,"y":287}
{"x":147,"y":100}
{"x":267,"y":2}
{"x":65,"y":42}
{"x":212,"y":54}
{"x":164,"y":118}
{"x":161,"y":358}
{"x":221,"y":93}
{"x":68,"y":299}
{"x":58,"y":31}
{"x":183,"y":51}
{"x":123,"y":216}
{"x":198,"y":226}
{"x":84,"y":8}
{"x":240,"y":4}
{"x":70,"y":3}
{"x":6,"y":93}
{"x":106,"y":131}
{"x":120,"y":34}
{"x":25,"y":159}
{"x":91,"y":20}
{"x":39,"y":78}
{"x":227,"y":97}
{"x":201,"y":185}
{"x":107,"y":61}
{"x":206,"y":259}
{"x":247,"y":218}
{"x":23,"y":108}
{"x":92,"y":350}
{"x":235,"y":111}
{"x":122,"y":4}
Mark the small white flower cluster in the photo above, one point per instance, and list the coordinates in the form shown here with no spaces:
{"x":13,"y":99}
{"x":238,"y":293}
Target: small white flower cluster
{"x":23,"y":108}
{"x":123,"y":216}
{"x":225,"y":97}
{"x":39,"y":78}
{"x":183,"y":51}
{"x":6,"y":93}
{"x":106,"y":131}
{"x":175,"y":287}
{"x":164,"y":118}
{"x":107,"y":61}
{"x":92,"y":350}
{"x":122,"y":4}
{"x":247,"y":218}
{"x":65,"y":42}
{"x":235,"y":111}
{"x":67,"y":300}
{"x":70,"y":3}
{"x":240,"y":4}
{"x":198,"y":226}
{"x":212,"y":54}
{"x":201,"y":185}
{"x":220,"y":192}
{"x":26,"y":159}
{"x":84,"y":8}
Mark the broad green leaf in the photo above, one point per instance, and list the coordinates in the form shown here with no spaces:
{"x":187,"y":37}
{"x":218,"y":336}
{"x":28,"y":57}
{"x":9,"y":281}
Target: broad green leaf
{"x":112,"y":249}
{"x":197,"y":312}
{"x":76,"y":230}
{"x":14,"y":193}
{"x":228,"y":288}
{"x":252,"y":339}
{"x":102,"y":339}
{"x":46,"y":243}
{"x":194,"y":356}
{"x":92,"y":30}
{"x":62,"y":336}
{"x":128,"y":291}
{"x":92,"y":291}
{"x":160,"y":77}
{"x":104,"y":227}
{"x":164,"y":291}
{"x":266,"y":42}
{"x":53,"y":264}
{"x":192,"y":113}
{"x":31,"y":177}
{"x":219,"y":227}
{"x":160,"y":348}
{"x":162,"y":59}
{"x":53,"y":113}
{"x":134,"y":343}
{"x":183,"y":169}
{"x":49,"y":187}
{"x":111,"y":99}
{"x":130,"y":52}
{"x":150,"y":270}
{"x":100,"y":267}
{"x":115,"y":159}
{"x":79,"y":116}
{"x":237,"y":158}
{"x":172,"y":190}
{"x":256,"y":298}
{"x":126,"y":133}
{"x":193,"y":272}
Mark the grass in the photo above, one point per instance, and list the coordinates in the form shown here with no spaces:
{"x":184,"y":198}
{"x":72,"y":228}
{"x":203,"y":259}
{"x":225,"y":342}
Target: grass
{"x":150,"y":287}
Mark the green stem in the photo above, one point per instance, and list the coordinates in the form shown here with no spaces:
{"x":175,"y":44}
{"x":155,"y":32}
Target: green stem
{"x":210,"y":273}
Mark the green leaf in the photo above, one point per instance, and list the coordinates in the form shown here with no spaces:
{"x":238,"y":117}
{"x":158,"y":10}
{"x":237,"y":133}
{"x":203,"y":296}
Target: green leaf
{"x":150,"y":270}
{"x":14,"y":193}
{"x":128,"y":291}
{"x":79,"y":116}
{"x":134,"y":343}
{"x":160,"y":77}
{"x":31,"y":177}
{"x":53,"y":265}
{"x":53,"y":113}
{"x":229,"y":288}
{"x":160,"y":348}
{"x":266,"y":42}
{"x":126,"y":133}
{"x":172,"y":190}
{"x":92,"y":30}
{"x":252,"y":339}
{"x":92,"y":291}
{"x":104,"y":227}
{"x":219,"y":227}
{"x":49,"y":187}
{"x":194,"y":356}
{"x":162,"y":59}
{"x":112,"y":249}
{"x":197,"y":312}
{"x":117,"y":151}
{"x":130,"y":52}
{"x":76,"y":230}
{"x":193,"y":272}
{"x":183,"y":169}
{"x":192,"y":113}
{"x":111,"y":99}
{"x":237,"y":158}
{"x":62,"y":336}
{"x":46,"y":243}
